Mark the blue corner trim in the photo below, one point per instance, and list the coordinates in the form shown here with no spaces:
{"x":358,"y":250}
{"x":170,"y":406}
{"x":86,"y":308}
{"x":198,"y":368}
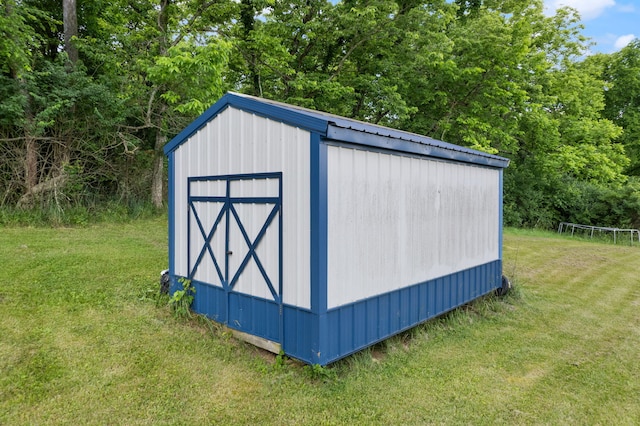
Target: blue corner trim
{"x":281,"y":261}
{"x":500,"y":213}
{"x":318,"y":237}
{"x":172,"y":222}
{"x":318,"y":194}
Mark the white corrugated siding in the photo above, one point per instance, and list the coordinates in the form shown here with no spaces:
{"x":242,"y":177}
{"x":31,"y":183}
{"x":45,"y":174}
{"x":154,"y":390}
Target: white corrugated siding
{"x":237,"y":142}
{"x":394,"y":221}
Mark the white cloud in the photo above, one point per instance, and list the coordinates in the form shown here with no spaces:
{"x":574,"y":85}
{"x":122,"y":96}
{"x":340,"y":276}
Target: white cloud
{"x":589,"y":9}
{"x":622,"y":41}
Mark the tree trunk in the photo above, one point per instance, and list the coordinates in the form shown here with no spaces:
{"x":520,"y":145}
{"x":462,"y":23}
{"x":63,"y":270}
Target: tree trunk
{"x":31,"y":161}
{"x":62,"y":153}
{"x":47,"y":186}
{"x":70,"y":19}
{"x":247,"y":18}
{"x":13,"y":67}
{"x":31,"y":144}
{"x":157,"y":178}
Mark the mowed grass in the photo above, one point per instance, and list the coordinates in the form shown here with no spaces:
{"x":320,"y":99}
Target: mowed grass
{"x":84,"y":341}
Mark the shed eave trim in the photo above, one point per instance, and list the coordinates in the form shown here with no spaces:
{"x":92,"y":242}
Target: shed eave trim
{"x":253,"y":105}
{"x":195,"y":125}
{"x":279,"y":113}
{"x":437,"y":150}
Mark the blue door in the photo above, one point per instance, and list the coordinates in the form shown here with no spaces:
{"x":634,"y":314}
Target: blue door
{"x":234,"y":250}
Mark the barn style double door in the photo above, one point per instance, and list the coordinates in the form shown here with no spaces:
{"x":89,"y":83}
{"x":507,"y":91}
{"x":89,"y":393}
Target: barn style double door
{"x":234,"y":250}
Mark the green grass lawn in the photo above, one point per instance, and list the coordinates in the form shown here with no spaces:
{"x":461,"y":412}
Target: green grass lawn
{"x":83,"y":341}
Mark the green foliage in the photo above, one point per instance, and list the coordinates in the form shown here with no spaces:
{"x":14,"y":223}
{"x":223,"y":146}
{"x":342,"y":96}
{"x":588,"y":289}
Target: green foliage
{"x":281,"y":361}
{"x":543,"y":203}
{"x":602,"y":206}
{"x":70,"y":116}
{"x":191,"y":72}
{"x":136,"y":82}
{"x":181,"y":300}
{"x":154,"y":295}
{"x":499,"y":76}
{"x":621,"y":72}
{"x":320,"y":373}
{"x":19,"y":38}
{"x":527,"y":202}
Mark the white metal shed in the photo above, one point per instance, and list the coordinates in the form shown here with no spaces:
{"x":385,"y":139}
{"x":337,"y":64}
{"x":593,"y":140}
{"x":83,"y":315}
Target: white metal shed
{"x":320,"y":235}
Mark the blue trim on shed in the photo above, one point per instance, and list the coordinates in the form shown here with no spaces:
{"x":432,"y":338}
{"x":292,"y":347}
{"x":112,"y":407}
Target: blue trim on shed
{"x":254,"y":105}
{"x":253,"y":313}
{"x":318,"y":238}
{"x":363,"y":323}
{"x":354,"y":326}
{"x":297,"y":322}
{"x":172,"y":221}
{"x":500,"y":213}
{"x":413,"y":144}
{"x":299,"y":340}
{"x":318,"y":207}
{"x":340,"y":129}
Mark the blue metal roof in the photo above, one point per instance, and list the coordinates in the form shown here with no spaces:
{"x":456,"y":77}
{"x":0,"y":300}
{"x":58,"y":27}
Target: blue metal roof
{"x":340,"y":129}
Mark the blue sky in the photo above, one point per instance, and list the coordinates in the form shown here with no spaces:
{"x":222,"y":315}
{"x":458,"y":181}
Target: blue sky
{"x":611,"y":24}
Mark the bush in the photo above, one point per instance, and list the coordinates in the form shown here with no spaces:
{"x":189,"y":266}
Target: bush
{"x":542,"y":202}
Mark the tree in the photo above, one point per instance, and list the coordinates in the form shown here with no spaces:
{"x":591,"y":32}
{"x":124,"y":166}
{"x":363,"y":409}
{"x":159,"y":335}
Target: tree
{"x":170,"y":69}
{"x":89,"y":99}
{"x":19,"y":40}
{"x":70,"y":20}
{"x":622,"y":97}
